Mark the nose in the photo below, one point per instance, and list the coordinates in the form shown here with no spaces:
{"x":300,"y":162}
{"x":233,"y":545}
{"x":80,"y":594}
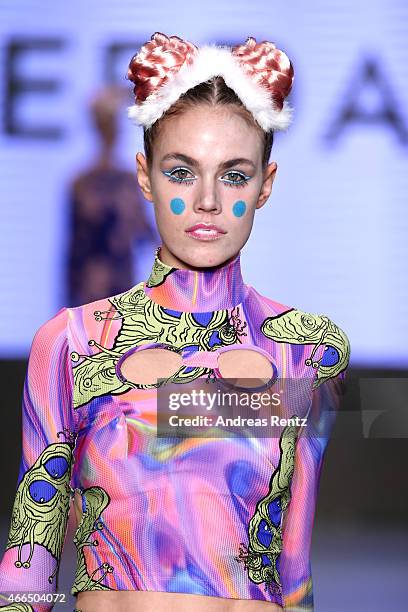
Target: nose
{"x":208,"y":197}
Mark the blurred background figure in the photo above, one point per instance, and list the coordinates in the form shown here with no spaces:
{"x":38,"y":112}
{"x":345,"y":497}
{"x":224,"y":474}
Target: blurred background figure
{"x":107,"y":218}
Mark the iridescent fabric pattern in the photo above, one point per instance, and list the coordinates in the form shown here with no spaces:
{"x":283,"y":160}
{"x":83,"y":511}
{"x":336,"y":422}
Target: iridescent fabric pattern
{"x":223,"y":517}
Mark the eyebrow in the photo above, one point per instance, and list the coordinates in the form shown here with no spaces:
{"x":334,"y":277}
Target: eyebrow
{"x":193,"y":162}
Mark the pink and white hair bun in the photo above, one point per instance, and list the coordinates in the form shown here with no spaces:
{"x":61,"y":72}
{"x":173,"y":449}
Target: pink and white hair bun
{"x":166,"y":67}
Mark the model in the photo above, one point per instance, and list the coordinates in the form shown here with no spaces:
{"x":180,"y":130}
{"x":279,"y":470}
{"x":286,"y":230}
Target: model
{"x":193,"y":523}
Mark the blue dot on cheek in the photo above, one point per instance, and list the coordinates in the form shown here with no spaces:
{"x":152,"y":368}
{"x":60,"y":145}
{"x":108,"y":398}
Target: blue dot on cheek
{"x":239,"y":208}
{"x":177,"y":206}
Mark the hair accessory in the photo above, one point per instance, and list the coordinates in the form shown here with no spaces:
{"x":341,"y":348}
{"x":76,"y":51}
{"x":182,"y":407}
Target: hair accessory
{"x":166,"y":67}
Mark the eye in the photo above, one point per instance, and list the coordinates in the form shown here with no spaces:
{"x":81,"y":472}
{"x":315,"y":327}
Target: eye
{"x":171,"y":174}
{"x":56,"y":466}
{"x":243,"y":179}
{"x":182,"y":177}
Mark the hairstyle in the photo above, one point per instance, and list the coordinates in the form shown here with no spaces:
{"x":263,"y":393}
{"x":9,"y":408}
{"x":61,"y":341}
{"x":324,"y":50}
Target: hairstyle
{"x":162,"y":57}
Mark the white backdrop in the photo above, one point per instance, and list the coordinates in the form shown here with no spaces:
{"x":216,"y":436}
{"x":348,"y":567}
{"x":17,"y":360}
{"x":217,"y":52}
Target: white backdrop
{"x":332,"y":237}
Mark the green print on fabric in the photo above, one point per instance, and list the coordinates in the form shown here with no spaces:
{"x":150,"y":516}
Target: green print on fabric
{"x":260,"y":557}
{"x":96,"y":500}
{"x":297,"y":327}
{"x":144,"y":322}
{"x":17,"y":607}
{"x":41,"y":506}
{"x":159,"y":272}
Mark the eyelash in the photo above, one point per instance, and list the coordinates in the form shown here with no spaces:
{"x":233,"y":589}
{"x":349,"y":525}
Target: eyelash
{"x":172,"y":179}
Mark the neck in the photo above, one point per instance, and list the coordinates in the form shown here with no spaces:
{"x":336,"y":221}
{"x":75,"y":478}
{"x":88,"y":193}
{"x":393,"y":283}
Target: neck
{"x":201,"y":290}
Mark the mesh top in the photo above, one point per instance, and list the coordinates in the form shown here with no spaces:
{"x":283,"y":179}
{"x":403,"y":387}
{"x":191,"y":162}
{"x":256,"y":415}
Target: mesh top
{"x":226,"y":517}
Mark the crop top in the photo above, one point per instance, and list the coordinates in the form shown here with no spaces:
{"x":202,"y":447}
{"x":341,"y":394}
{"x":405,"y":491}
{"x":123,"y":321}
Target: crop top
{"x":227,"y":517}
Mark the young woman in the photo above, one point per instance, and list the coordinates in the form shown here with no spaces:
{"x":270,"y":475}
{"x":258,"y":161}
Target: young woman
{"x":220,"y":523}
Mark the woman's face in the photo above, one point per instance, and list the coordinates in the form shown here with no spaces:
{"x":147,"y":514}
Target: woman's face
{"x":196,"y":177}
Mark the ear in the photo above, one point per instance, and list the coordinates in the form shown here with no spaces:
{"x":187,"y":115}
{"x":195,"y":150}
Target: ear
{"x":143,"y":176}
{"x":268,"y":178}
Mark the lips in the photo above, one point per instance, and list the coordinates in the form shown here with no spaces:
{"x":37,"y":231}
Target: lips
{"x":207,"y":227}
{"x":205,"y":231}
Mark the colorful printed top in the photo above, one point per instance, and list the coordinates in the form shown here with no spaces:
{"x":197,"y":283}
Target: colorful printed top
{"x":224,"y":516}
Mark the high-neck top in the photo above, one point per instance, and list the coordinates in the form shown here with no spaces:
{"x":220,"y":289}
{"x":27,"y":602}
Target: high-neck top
{"x":215,"y":516}
{"x":201,"y":290}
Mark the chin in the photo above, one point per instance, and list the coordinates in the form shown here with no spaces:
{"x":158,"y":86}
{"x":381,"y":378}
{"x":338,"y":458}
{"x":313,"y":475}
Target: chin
{"x":207,"y":255}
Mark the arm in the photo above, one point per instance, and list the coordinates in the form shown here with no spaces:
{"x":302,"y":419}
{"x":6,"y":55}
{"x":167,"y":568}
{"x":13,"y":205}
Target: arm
{"x":327,"y":398}
{"x":41,"y":506}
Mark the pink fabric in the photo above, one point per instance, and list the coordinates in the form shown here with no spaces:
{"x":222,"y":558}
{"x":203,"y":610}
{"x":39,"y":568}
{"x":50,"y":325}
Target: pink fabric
{"x":223,"y":517}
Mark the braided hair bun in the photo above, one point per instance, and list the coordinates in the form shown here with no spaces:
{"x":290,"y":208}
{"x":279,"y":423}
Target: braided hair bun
{"x":156,"y":62}
{"x":268,"y":66}
{"x":166,"y":67}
